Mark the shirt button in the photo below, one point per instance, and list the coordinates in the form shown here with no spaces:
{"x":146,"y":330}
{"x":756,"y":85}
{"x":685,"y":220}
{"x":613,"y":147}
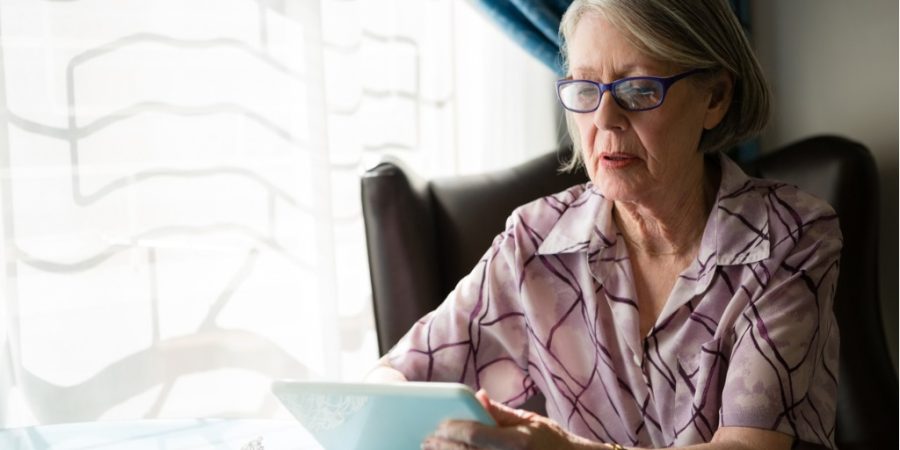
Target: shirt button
{"x":637,"y":360}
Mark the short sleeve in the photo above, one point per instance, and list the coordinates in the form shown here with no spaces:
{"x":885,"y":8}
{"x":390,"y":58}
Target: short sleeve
{"x":478,"y":335}
{"x":783,"y":368}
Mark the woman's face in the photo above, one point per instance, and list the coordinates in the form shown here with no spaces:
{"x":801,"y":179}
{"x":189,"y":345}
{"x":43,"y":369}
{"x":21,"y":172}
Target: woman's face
{"x":639,"y":156}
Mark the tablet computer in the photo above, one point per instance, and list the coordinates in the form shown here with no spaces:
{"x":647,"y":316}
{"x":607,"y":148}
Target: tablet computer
{"x":396,"y":416}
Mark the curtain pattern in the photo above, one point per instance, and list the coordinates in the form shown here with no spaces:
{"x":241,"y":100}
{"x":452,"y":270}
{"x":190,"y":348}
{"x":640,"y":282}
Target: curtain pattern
{"x":179,"y":190}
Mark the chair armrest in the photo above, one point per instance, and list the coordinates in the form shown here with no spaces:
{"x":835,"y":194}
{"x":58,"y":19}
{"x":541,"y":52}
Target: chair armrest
{"x":401,"y":245}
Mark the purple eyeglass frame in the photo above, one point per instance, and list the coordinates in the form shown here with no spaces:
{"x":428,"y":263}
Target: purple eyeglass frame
{"x":665,"y":82}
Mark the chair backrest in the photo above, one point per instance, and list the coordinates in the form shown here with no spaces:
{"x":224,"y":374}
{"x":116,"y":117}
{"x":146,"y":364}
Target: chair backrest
{"x":424,"y":236}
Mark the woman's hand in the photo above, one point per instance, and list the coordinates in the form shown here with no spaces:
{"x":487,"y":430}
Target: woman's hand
{"x":516,"y":430}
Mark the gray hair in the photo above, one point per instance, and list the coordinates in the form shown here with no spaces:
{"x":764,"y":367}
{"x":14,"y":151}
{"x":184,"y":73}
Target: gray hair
{"x":695,"y":34}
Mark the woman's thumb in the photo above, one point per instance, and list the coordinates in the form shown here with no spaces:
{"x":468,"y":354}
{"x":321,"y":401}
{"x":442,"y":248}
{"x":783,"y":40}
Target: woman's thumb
{"x":504,"y":415}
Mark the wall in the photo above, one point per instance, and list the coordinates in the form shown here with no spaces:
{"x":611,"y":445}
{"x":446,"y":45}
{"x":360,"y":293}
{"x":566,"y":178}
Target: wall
{"x":833,"y":68}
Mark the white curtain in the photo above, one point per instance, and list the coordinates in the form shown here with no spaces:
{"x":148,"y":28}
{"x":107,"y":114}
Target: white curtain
{"x":179,"y":187}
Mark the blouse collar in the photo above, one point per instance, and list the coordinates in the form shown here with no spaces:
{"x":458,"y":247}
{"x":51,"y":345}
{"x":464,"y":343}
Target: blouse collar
{"x":736,"y":233}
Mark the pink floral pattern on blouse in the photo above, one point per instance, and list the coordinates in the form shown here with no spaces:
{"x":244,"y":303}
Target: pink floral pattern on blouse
{"x":747,"y":337}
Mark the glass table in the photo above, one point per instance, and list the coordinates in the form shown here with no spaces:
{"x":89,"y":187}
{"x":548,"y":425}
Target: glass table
{"x":193,"y":434}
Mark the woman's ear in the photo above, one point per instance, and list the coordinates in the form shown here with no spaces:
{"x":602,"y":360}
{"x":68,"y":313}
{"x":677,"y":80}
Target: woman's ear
{"x":720,"y":89}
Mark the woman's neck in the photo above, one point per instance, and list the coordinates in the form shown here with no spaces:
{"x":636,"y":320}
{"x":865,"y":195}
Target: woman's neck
{"x":673,"y":224}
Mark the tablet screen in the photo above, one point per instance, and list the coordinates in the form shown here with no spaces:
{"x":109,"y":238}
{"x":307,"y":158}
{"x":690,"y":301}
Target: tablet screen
{"x":369,"y":416}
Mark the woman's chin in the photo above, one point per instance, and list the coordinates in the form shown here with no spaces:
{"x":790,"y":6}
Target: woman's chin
{"x":617,"y":193}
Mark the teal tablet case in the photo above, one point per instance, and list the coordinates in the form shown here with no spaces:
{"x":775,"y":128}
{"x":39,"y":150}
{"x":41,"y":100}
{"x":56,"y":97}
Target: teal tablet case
{"x":363,"y":416}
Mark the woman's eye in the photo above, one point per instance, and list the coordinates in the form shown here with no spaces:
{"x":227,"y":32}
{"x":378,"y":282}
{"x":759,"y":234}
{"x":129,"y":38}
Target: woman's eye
{"x":639,"y":91}
{"x":587,"y":92}
{"x":639,"y":95}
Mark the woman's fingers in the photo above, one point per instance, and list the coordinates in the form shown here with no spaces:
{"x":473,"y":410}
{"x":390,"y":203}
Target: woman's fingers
{"x":477,"y":435}
{"x":504,"y":415}
{"x":516,"y":429}
{"x":435,"y":443}
{"x":483,"y":398}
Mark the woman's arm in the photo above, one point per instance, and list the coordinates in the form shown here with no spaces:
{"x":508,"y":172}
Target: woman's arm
{"x":477,"y":334}
{"x":740,"y":438}
{"x":384,"y":373}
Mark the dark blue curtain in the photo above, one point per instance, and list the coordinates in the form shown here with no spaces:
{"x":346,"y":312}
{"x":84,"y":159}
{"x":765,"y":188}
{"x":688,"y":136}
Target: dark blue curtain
{"x":534,"y":24}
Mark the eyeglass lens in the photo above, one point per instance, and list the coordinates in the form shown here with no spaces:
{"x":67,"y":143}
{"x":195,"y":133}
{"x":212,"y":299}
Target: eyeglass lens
{"x":635,"y":94}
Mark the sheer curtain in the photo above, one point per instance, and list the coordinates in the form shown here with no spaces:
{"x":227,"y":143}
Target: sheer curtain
{"x":179,"y":187}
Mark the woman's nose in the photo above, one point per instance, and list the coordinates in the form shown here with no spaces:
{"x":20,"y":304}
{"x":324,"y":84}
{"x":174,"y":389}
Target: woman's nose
{"x":609,"y":115}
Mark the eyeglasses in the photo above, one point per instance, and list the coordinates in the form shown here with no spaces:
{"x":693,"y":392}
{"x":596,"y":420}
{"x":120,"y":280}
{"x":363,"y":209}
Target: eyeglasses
{"x":632,"y":94}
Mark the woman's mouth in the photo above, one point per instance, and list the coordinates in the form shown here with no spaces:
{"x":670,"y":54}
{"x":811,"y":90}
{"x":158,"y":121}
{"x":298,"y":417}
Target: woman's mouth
{"x":617,"y":160}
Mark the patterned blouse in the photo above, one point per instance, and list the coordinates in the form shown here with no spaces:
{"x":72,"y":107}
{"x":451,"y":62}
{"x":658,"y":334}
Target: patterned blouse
{"x":747,"y":337}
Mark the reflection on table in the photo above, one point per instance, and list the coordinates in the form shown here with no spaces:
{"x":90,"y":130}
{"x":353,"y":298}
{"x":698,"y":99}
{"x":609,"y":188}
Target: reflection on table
{"x":193,"y":434}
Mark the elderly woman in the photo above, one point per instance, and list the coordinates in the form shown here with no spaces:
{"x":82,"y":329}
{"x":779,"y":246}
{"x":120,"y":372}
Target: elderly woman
{"x":672,"y":301}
